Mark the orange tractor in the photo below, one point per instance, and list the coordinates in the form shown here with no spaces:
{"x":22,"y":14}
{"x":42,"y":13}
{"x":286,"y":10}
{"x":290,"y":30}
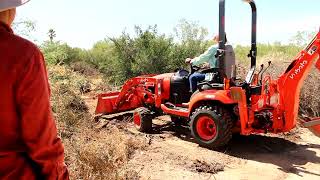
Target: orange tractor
{"x":223,"y":104}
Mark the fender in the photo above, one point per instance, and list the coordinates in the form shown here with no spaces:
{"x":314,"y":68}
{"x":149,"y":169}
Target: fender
{"x":223,"y":96}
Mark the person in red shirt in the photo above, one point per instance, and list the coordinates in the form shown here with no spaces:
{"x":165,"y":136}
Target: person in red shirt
{"x":29,"y":145}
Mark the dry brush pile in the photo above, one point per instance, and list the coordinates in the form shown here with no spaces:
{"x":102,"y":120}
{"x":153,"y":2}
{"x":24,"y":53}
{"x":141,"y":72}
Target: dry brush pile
{"x":90,"y":153}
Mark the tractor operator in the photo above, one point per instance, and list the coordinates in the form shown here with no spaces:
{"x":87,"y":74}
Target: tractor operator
{"x":29,"y":145}
{"x":206,"y":60}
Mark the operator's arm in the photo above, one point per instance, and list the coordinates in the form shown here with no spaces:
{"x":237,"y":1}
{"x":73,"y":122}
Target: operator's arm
{"x":39,"y":133}
{"x":205,"y":57}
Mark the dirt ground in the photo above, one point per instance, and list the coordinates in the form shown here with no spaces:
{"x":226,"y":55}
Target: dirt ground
{"x":172,"y":154}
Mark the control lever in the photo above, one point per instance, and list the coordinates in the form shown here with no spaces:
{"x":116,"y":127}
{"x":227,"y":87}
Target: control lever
{"x":269,"y":64}
{"x":261,"y":69}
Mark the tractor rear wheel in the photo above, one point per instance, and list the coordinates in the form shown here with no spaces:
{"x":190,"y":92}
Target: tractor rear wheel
{"x":142,"y":119}
{"x":211,"y":126}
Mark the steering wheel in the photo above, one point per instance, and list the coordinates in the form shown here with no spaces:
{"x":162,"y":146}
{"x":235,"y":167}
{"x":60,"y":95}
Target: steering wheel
{"x":194,"y":68}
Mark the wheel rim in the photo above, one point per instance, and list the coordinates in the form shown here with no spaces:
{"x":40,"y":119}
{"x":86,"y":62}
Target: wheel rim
{"x":136,"y":119}
{"x":206,"y":128}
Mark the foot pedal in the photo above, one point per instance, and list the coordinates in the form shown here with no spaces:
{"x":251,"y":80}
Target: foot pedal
{"x":170,"y":105}
{"x":185,"y":105}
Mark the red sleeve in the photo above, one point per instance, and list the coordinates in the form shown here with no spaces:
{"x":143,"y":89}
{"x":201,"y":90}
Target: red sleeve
{"x":38,"y":128}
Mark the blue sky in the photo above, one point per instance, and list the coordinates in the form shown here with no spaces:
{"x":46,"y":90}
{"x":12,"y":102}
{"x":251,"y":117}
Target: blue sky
{"x":81,"y":23}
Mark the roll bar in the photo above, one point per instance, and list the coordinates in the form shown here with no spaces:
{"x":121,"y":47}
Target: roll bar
{"x":222,"y":40}
{"x":222,"y":34}
{"x":253,"y":52}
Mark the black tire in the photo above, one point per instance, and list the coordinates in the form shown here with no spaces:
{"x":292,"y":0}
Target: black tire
{"x":222,"y":126}
{"x":145,"y":123}
{"x":178,"y":121}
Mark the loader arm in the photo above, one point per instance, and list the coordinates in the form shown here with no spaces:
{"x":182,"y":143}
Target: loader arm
{"x":134,"y":93}
{"x":290,"y":82}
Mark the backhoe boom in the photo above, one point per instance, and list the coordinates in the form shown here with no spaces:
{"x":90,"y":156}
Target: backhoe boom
{"x":290,"y":83}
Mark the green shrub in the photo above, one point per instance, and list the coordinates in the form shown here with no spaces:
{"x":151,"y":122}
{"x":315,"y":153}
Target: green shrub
{"x":56,"y":52}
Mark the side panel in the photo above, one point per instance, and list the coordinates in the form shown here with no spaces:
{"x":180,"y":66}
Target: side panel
{"x":158,"y":93}
{"x":166,"y":88}
{"x":239,"y":95}
{"x":162,"y":88}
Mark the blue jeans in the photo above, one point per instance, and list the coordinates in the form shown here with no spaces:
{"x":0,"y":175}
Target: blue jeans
{"x":194,"y":79}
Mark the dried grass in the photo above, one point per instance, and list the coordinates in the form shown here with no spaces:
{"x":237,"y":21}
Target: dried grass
{"x":310,"y":99}
{"x":101,"y":155}
{"x":89,"y":154}
{"x":84,"y":68}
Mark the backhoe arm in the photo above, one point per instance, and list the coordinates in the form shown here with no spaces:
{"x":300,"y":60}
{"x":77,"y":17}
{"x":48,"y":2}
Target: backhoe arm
{"x":313,"y":124}
{"x":290,"y":83}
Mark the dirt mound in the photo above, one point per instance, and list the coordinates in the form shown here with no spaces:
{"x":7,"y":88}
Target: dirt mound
{"x":205,"y":167}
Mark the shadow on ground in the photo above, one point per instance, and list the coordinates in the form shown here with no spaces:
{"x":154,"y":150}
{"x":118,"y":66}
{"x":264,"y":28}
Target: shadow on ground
{"x":288,"y":155}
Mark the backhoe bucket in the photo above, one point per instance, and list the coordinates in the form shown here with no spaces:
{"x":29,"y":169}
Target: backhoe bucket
{"x":312,"y":124}
{"x":318,"y":64}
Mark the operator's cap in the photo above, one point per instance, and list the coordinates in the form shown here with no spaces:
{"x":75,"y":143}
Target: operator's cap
{"x":9,"y":4}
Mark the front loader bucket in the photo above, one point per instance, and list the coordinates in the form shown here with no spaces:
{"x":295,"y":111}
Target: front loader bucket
{"x":106,"y":103}
{"x":313,"y":125}
{"x":136,"y":92}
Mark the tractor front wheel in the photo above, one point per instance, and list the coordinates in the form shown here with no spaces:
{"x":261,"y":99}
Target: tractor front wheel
{"x":211,"y":126}
{"x":142,"y":119}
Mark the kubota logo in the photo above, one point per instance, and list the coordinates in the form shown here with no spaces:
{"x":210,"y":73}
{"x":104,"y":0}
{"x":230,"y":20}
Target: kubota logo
{"x":299,"y":69}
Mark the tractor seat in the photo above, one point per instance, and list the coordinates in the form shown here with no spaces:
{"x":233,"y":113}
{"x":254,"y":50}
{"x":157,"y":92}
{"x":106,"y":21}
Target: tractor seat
{"x":229,"y":60}
{"x":256,"y":90}
{"x":181,"y":73}
{"x":212,"y":81}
